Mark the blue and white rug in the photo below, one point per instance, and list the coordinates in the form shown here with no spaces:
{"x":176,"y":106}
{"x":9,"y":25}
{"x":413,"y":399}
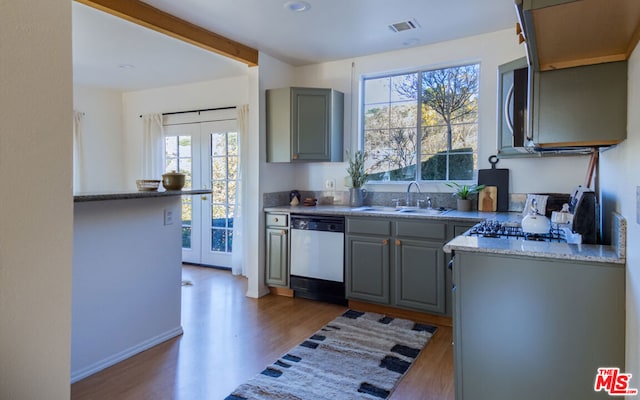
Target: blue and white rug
{"x":356,"y":356}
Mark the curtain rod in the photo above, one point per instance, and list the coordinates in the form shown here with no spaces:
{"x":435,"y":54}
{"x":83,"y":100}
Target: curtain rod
{"x":198,"y":111}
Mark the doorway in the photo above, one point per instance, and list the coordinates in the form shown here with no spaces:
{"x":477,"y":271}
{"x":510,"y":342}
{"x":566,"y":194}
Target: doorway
{"x":207,"y":153}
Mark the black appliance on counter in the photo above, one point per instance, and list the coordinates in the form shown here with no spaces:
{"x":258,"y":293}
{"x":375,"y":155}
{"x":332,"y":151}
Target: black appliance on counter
{"x":586,"y":215}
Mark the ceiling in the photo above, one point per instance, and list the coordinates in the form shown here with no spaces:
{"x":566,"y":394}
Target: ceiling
{"x":113,"y":53}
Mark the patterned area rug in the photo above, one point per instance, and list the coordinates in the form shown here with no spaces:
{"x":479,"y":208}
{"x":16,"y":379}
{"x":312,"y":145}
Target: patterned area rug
{"x":356,"y":356}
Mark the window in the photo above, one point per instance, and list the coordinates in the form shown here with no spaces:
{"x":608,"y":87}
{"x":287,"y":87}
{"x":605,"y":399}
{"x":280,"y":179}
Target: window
{"x":431,"y":116}
{"x":178,"y":158}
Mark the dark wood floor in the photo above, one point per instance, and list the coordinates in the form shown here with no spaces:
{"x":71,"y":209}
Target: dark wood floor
{"x":228,"y":338}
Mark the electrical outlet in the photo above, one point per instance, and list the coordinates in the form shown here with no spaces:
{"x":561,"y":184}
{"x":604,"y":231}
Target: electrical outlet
{"x":330,"y":184}
{"x":168,"y":216}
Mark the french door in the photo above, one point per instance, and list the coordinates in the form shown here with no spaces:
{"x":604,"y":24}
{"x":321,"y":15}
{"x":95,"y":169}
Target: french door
{"x":207,"y":153}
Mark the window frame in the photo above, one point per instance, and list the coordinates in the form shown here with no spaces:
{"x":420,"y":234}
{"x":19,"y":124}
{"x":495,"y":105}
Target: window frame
{"x":419,"y":127}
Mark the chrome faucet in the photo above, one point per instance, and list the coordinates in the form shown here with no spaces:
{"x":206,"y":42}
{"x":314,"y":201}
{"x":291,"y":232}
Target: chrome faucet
{"x":408,"y":200}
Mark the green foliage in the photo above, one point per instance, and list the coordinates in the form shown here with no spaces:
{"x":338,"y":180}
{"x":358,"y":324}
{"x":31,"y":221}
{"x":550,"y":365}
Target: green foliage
{"x":464,"y":191}
{"x":356,"y":169}
{"x":447,"y":99}
{"x":433,"y":168}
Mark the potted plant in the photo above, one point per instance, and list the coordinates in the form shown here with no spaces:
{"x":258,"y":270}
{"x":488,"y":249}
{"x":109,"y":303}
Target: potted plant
{"x":358,"y":179}
{"x":463,"y":193}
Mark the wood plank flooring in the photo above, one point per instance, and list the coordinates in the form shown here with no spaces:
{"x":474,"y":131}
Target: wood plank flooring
{"x":228,"y":338}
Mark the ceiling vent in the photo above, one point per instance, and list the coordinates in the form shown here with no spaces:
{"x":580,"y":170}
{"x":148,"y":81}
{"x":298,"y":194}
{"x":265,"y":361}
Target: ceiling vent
{"x":404,"y":25}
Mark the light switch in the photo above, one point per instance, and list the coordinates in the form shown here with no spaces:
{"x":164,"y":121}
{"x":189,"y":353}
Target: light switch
{"x":168,"y":216}
{"x":638,"y":204}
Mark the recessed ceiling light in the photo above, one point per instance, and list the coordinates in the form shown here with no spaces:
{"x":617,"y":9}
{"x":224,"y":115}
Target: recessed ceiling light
{"x":410,"y":42}
{"x":297,"y":6}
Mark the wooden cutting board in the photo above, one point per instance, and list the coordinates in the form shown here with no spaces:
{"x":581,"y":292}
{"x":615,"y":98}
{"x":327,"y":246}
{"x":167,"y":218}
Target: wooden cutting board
{"x":488,"y":199}
{"x":500,"y":179}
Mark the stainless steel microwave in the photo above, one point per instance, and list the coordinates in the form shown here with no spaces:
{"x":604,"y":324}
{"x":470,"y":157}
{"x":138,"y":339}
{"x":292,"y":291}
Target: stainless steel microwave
{"x":514,"y":135}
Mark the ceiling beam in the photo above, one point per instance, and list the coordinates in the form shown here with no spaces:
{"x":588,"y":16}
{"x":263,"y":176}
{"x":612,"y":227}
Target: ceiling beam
{"x":150,"y":17}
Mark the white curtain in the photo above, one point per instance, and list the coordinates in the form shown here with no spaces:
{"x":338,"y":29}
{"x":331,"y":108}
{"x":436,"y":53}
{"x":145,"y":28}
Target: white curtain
{"x":79,"y":166}
{"x":238,"y":265}
{"x":152,"y":167}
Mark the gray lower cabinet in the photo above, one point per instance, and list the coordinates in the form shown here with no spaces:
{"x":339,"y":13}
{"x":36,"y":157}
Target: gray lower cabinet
{"x":461,"y":227}
{"x":529,"y":328}
{"x":367,"y":271}
{"x":277,"y":246}
{"x":396,"y":262}
{"x":419,"y":275}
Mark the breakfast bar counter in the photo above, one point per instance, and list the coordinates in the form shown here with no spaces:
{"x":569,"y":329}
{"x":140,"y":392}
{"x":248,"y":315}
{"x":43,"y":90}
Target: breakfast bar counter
{"x":129,"y":194}
{"x":127,"y":261}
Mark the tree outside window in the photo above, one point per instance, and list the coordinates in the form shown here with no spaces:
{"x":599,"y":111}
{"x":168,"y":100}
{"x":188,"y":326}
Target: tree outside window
{"x":433,"y":114}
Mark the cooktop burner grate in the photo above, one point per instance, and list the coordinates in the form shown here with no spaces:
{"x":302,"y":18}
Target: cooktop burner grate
{"x":506,"y":230}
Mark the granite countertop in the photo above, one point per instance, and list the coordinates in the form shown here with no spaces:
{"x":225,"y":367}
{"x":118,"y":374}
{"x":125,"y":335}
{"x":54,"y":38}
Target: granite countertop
{"x":562,"y":251}
{"x":616,"y":253}
{"x":125,"y":195}
{"x":381,"y":211}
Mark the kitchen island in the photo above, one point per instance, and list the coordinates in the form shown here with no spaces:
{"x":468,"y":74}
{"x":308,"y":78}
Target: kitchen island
{"x":126,"y":275}
{"x":536,"y":320}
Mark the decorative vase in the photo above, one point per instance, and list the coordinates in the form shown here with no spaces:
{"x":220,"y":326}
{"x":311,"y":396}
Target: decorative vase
{"x":464,"y":204}
{"x":357,"y":196}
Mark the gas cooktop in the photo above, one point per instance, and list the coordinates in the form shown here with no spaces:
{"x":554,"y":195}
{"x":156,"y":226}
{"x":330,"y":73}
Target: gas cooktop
{"x":513,"y":230}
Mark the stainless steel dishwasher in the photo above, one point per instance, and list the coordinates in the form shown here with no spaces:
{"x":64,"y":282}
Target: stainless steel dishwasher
{"x":317,"y":258}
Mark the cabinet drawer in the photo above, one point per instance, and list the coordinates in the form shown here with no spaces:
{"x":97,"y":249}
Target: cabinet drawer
{"x":369,"y":226}
{"x":277,"y":219}
{"x":422,"y":229}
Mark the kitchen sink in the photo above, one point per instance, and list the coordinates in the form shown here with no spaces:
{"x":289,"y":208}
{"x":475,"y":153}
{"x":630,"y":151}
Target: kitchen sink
{"x":426,"y":211}
{"x":374,"y":209}
{"x":401,"y":210}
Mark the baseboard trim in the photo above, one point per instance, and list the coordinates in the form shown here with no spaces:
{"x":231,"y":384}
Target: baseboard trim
{"x":278,"y":291}
{"x":400,"y":313}
{"x":123,"y":355}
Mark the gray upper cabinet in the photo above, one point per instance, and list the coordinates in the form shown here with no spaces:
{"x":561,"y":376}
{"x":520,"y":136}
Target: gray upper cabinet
{"x":550,"y":111}
{"x":577,"y":54}
{"x":580,"y":106}
{"x":304,"y":124}
{"x":570,"y":33}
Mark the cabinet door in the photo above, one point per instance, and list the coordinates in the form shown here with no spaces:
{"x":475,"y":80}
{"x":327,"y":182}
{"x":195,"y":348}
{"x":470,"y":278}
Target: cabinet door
{"x":310,"y":136}
{"x":581,"y":106}
{"x":419,"y":275}
{"x":367,"y":268}
{"x":459,"y":229}
{"x":546,"y":325}
{"x":277,"y":270}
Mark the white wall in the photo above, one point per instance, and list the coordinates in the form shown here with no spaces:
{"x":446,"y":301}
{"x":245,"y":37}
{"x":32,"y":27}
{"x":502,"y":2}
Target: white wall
{"x":36,"y":205}
{"x":128,"y":300}
{"x":620,"y":179}
{"x":202,"y":95}
{"x":490,"y":50}
{"x":102,"y":139}
{"x":272,"y":177}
